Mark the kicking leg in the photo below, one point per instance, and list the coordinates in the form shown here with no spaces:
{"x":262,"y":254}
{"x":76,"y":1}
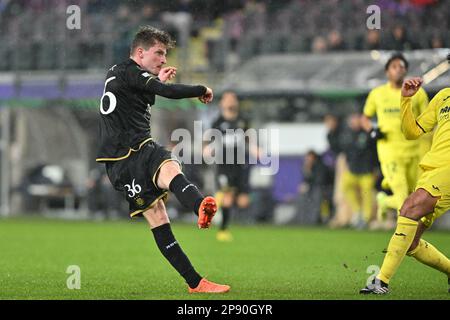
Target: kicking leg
{"x":171,"y":178}
{"x":417,"y":205}
{"x":171,"y":250}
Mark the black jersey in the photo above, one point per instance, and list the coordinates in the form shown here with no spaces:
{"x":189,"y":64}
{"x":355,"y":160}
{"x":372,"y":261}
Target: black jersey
{"x":125,"y":108}
{"x":231,"y":138}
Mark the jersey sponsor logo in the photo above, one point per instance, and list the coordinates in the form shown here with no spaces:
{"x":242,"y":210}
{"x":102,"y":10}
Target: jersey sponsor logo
{"x":445,"y":109}
{"x":444,"y":113}
{"x":392,"y":110}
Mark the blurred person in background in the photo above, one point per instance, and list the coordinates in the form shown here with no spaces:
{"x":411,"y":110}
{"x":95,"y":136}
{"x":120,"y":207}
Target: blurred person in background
{"x":436,"y":42}
{"x":359,"y":181}
{"x":372,"y":40}
{"x":315,"y":190}
{"x":334,"y":127}
{"x":399,"y":40}
{"x":335,"y":41}
{"x":103,"y":200}
{"x":398,"y":156}
{"x":342,"y":210}
{"x":319,"y":44}
{"x":232,"y":177}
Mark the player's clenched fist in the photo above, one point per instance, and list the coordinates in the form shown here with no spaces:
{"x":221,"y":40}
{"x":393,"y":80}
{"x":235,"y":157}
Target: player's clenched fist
{"x":207,"y":97}
{"x":411,"y":86}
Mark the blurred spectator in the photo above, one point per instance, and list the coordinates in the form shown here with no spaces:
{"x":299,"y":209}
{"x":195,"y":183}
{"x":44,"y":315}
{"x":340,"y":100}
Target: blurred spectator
{"x":255,"y":18}
{"x":319,"y":45}
{"x":437,"y":42}
{"x":266,"y":26}
{"x":315,"y":190}
{"x":359,"y":181}
{"x":234,"y":27}
{"x":373,"y":40}
{"x":335,"y":41}
{"x":399,"y":40}
{"x":149,"y":13}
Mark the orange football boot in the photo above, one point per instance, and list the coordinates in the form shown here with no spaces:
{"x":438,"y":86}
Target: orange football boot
{"x":206,"y":286}
{"x":206,"y":211}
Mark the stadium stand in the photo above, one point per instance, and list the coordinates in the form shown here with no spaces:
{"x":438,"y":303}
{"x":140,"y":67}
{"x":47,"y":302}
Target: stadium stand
{"x":243,"y":29}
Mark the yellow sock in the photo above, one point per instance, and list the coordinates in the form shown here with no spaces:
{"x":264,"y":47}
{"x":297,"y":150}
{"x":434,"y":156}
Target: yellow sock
{"x":430,"y":256}
{"x":398,"y":247}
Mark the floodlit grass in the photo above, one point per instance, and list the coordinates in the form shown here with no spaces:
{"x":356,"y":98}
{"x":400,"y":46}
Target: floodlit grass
{"x":119,"y":260}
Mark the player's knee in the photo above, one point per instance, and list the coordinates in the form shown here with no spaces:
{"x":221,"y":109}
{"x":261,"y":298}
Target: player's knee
{"x":417,"y":205}
{"x":166,"y":173}
{"x":409,"y":209}
{"x":156,"y":216}
{"x":170,"y":168}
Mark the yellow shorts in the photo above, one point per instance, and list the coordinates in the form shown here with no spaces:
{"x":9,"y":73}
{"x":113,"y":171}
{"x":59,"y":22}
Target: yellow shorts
{"x":437,"y":183}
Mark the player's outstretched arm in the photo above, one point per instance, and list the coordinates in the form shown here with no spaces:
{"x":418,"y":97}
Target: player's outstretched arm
{"x":410,"y":128}
{"x":174,"y":91}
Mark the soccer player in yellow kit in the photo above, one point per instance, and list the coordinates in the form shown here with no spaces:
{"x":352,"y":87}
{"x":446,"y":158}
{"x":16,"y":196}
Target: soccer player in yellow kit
{"x":431,"y":197}
{"x":399,"y":157}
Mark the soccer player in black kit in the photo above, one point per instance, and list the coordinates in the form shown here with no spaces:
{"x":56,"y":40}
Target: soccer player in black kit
{"x":232,"y":176}
{"x":139,"y":167}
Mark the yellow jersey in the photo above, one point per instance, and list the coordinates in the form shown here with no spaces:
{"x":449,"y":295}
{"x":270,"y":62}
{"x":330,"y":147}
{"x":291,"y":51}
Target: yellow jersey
{"x":384,"y":103}
{"x":437,"y":114}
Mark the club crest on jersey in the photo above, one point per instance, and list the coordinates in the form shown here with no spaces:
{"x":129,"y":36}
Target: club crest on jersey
{"x":146,"y":74}
{"x":139,"y":201}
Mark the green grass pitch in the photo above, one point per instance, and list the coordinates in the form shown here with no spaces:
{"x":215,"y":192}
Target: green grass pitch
{"x":119,"y":260}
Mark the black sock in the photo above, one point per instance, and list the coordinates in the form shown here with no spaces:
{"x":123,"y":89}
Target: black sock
{"x":172,"y":251}
{"x":225,"y":218}
{"x":186,"y":192}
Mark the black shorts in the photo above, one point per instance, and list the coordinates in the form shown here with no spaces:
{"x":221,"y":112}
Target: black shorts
{"x":136,"y":176}
{"x":233,"y":177}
